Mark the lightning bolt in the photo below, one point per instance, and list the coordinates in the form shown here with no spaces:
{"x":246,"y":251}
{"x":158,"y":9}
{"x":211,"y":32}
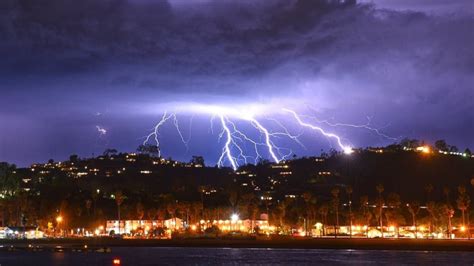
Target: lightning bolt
{"x":155,"y":133}
{"x":234,"y":137}
{"x":236,"y":141}
{"x":226,"y":151}
{"x":270,"y":145}
{"x":237,"y":134}
{"x":363,"y":126}
{"x":344,"y":148}
{"x":102,"y":131}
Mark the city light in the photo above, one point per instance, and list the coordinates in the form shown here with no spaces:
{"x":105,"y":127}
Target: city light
{"x":234,"y":217}
{"x":424,"y":149}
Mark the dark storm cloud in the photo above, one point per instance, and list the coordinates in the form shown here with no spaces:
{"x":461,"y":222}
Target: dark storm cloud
{"x":48,"y":37}
{"x":407,"y":68}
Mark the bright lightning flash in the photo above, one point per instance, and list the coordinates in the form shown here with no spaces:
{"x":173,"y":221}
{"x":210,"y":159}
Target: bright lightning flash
{"x":236,"y":141}
{"x":346,"y":149}
{"x":102,"y":131}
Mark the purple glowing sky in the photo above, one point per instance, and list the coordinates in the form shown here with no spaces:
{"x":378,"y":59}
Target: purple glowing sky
{"x":70,"y":68}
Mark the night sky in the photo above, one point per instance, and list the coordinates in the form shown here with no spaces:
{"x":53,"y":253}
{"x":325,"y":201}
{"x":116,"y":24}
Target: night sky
{"x":78,"y":77}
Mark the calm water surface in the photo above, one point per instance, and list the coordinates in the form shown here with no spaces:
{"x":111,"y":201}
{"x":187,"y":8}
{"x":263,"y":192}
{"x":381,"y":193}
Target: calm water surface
{"x":237,"y":256}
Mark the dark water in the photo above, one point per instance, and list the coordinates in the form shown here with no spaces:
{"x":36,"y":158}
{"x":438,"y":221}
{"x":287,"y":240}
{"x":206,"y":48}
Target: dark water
{"x":237,"y":256}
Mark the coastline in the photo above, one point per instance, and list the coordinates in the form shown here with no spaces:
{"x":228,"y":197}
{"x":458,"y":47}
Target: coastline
{"x":315,"y":243}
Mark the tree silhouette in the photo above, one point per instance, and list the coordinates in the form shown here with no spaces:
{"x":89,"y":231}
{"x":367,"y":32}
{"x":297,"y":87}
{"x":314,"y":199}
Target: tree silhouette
{"x":463,"y":203}
{"x":335,"y":204}
{"x":349,"y":196}
{"x":198,"y":160}
{"x":441,"y":145}
{"x":323,"y":211}
{"x":380,"y":203}
{"x":149,"y":149}
{"x":414,"y":209}
{"x":448,"y":212}
{"x":364,"y":205}
{"x":119,"y":198}
{"x":310,"y":202}
{"x":431,"y":208}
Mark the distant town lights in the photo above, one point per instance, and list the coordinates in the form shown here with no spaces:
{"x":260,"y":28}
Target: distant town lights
{"x":424,"y":149}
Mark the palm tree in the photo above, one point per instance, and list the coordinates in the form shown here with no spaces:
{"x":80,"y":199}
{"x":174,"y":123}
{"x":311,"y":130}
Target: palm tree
{"x":171,"y":208}
{"x":364,"y":205}
{"x":309,"y":201}
{"x":380,"y":188}
{"x":349,"y":195}
{"x":251,"y":207}
{"x":198,"y":209}
{"x":140,"y":209}
{"x":431,"y":208}
{"x":119,"y":198}
{"x":463,"y":203}
{"x":449,"y":212}
{"x":324,"y":210}
{"x":335,"y":203}
{"x":393,"y":205}
{"x":414,"y":208}
{"x":233,"y":200}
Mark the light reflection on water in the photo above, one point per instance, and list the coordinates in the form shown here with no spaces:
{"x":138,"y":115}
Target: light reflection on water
{"x":237,"y":256}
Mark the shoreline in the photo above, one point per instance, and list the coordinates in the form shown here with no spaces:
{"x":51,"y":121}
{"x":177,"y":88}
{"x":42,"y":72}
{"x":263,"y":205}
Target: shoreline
{"x":315,"y":243}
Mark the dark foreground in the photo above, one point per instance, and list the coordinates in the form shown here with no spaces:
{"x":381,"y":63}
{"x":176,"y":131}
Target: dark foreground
{"x":237,"y":256}
{"x":284,"y":243}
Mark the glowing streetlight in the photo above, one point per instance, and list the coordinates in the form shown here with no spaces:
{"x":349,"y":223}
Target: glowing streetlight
{"x":59,"y":220}
{"x":234,"y":217}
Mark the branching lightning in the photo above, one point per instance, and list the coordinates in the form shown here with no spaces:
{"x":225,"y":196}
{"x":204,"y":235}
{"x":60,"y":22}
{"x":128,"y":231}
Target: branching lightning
{"x":235,"y":140}
{"x":155,"y":133}
{"x":366,"y":126}
{"x":258,"y":141}
{"x":226,"y":151}
{"x":347,"y":149}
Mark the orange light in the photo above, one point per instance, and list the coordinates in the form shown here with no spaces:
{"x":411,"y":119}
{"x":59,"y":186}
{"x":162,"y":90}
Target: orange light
{"x":424,"y":149}
{"x":59,"y":219}
{"x":116,"y":261}
{"x":463,"y":228}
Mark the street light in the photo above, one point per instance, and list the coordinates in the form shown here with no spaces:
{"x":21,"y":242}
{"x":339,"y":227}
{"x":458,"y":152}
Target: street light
{"x":59,"y":220}
{"x":234,"y":218}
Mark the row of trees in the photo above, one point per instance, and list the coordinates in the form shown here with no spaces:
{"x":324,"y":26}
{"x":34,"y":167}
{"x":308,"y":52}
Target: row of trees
{"x":308,"y":209}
